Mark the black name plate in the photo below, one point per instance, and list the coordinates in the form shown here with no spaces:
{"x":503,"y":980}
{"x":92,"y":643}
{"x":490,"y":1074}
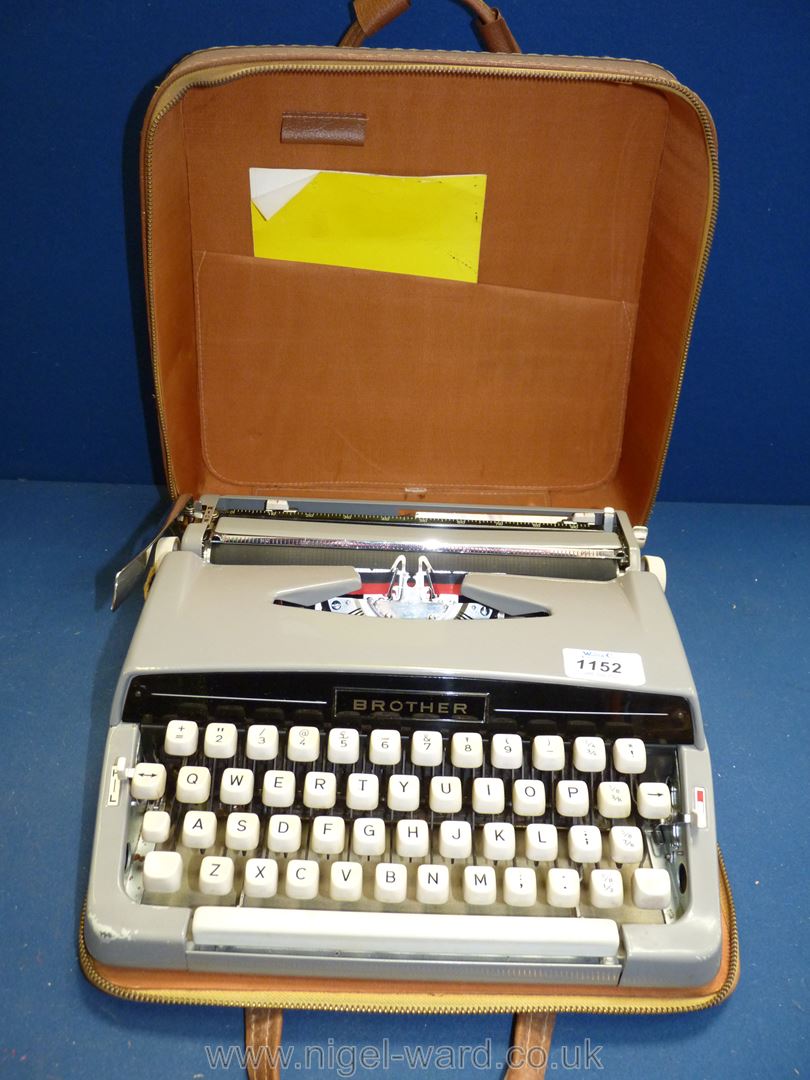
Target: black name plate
{"x":412,"y":704}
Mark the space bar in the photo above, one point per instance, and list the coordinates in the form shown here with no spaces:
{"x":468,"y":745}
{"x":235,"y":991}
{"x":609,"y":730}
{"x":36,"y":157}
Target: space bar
{"x":399,"y":933}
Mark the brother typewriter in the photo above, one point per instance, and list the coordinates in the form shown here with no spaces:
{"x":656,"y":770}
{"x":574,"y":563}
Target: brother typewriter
{"x":359,"y":740}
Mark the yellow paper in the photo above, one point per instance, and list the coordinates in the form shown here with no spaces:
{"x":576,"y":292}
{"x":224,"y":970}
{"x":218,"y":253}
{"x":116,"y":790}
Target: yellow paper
{"x":424,"y":225}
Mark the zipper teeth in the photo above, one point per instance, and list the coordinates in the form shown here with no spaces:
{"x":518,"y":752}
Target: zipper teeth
{"x":286,"y":67}
{"x":256,"y":1000}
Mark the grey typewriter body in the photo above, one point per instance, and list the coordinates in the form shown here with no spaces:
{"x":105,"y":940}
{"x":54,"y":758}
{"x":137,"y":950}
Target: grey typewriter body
{"x":451,"y":744}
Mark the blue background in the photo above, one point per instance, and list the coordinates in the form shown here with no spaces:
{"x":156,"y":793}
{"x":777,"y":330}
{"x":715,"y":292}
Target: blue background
{"x":76,"y":80}
{"x":75,"y":389}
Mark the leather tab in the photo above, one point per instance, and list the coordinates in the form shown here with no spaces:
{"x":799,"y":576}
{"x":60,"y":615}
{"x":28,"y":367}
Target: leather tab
{"x":373,"y":15}
{"x":340,"y":129}
{"x":531,"y":1046}
{"x":496,"y":36}
{"x":262,"y":1043}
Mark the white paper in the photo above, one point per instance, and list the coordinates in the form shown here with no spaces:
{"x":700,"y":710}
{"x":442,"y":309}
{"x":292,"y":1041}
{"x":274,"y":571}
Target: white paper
{"x":272,"y":189}
{"x":588,"y":665}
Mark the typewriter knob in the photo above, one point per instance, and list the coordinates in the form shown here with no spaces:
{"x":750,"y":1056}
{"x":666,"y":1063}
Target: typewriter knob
{"x":163,"y":546}
{"x":656,"y":565}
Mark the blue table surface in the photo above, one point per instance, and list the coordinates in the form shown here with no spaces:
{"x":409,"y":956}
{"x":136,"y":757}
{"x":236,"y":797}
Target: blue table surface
{"x":740,"y":590}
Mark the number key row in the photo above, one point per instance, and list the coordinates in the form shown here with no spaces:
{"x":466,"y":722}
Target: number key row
{"x":303,"y":743}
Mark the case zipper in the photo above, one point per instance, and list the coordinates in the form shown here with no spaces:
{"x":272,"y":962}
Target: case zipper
{"x":417,"y":1003}
{"x":203,"y":79}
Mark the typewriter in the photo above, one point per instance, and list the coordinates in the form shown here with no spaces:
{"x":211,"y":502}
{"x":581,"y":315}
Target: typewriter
{"x":355,"y":740}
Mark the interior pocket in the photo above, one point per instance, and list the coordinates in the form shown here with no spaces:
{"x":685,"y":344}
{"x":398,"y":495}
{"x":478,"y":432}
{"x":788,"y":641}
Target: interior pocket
{"x":322,"y":379}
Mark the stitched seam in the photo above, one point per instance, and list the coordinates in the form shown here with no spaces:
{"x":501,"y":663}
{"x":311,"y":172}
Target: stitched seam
{"x":252,"y":1022}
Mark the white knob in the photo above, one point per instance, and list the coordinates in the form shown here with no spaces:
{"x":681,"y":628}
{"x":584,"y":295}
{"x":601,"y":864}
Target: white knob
{"x":656,"y":565}
{"x":640,"y":533}
{"x":162,"y":548}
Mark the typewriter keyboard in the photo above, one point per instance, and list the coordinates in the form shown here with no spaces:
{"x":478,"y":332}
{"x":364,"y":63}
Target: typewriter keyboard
{"x":268,"y":811}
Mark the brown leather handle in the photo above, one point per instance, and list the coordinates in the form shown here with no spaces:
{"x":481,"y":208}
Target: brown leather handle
{"x":528,"y":1056}
{"x":372,"y":15}
{"x":531,"y":1046}
{"x":263,"y":1043}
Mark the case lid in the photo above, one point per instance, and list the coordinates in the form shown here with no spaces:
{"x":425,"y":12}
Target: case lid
{"x":553,"y":380}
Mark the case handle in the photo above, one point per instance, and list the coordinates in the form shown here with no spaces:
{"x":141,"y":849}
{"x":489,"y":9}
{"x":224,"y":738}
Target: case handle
{"x":531,"y":1044}
{"x":372,"y":15}
{"x":263,"y":1043}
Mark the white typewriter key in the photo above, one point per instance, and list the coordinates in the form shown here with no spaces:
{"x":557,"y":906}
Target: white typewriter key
{"x":236,"y":788}
{"x":654,"y":801}
{"x":346,"y":881}
{"x":629,"y":756}
{"x":320,"y":790}
{"x":181,"y":738}
{"x":467,"y":750}
{"x":362,"y":791}
{"x":519,"y":886}
{"x":199,"y":829}
{"x":562,"y":887}
{"x":605,"y":889}
{"x":541,"y":843}
{"x":302,"y":879}
{"x":488,"y":795}
{"x":548,"y":753}
{"x":261,"y":878}
{"x":216,"y":875}
{"x":499,"y":841}
{"x":156,"y":826}
{"x":626,"y":844}
{"x":506,"y":751}
{"x":528,"y":798}
{"x":613,"y":799}
{"x":385,"y":747}
{"x":261,"y":743}
{"x":303,"y":743}
{"x":432,"y":883}
{"x":651,"y":888}
{"x":390,"y":883}
{"x":343,"y":746}
{"x":455,"y":840}
{"x":589,"y":754}
{"x":193,"y":784}
{"x":220,"y":741}
{"x":278,"y":788}
{"x":162,"y":871}
{"x":242,"y":832}
{"x":445,"y":795}
{"x":148,"y":781}
{"x":426,"y":748}
{"x":572,"y":798}
{"x":413,"y":838}
{"x":584,"y":844}
{"x":284,"y":833}
{"x":479,"y":885}
{"x":403,"y":792}
{"x":327,"y":835}
{"x":368,"y":836}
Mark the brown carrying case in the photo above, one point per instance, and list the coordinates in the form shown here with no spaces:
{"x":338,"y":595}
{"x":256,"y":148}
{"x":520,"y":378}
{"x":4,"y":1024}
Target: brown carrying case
{"x":552,"y":380}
